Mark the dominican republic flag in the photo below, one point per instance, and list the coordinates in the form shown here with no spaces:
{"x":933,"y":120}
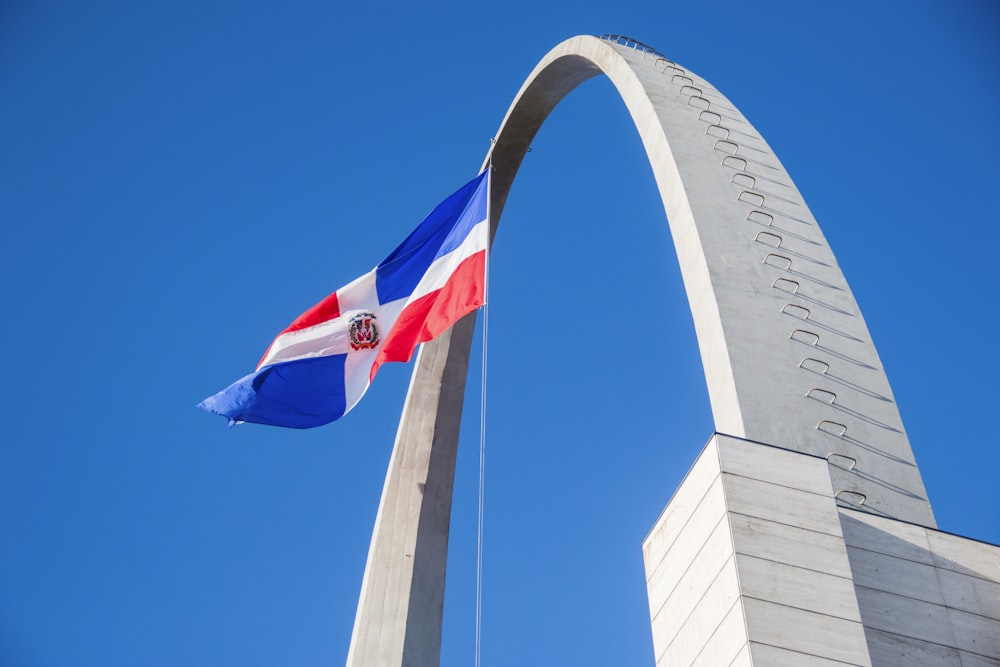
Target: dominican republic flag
{"x":320,"y":366}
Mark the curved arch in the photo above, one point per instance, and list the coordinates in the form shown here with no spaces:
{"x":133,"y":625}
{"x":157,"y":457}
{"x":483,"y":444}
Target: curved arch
{"x":788,"y":358}
{"x":556,"y":75}
{"x":787,"y":355}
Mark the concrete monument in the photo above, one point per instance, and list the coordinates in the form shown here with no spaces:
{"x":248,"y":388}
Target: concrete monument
{"x":803,"y":534}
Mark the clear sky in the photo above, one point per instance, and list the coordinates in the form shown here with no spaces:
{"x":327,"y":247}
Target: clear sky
{"x":179,"y":180}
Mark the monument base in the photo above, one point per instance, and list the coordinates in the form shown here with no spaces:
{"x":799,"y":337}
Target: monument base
{"x":757,"y":561}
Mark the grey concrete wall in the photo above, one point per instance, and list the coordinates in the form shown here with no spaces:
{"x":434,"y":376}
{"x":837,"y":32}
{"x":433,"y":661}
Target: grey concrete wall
{"x":753,"y":563}
{"x":691,"y":574}
{"x":748,"y":564}
{"x":926,"y":597}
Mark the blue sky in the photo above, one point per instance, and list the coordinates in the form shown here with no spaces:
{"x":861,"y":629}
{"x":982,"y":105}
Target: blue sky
{"x":179,"y":180}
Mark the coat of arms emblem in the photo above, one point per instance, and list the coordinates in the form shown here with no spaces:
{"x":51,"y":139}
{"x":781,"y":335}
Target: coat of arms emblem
{"x":363,"y":331}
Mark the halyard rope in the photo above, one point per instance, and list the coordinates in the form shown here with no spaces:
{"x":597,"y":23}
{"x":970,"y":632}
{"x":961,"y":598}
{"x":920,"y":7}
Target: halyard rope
{"x":482,"y":447}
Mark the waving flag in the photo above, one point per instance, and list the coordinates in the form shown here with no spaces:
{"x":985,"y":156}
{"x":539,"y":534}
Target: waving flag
{"x":320,"y":366}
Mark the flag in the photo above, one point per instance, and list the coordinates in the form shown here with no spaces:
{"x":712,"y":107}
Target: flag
{"x":320,"y":366}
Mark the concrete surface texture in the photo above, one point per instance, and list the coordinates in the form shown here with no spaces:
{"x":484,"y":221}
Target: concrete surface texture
{"x":926,"y":597}
{"x":748,"y":565}
{"x":398,"y":621}
{"x":788,"y":360}
{"x":753,"y":563}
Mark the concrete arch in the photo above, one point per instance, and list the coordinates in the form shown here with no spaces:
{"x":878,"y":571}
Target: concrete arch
{"x":788,"y":359}
{"x":787,"y":356}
